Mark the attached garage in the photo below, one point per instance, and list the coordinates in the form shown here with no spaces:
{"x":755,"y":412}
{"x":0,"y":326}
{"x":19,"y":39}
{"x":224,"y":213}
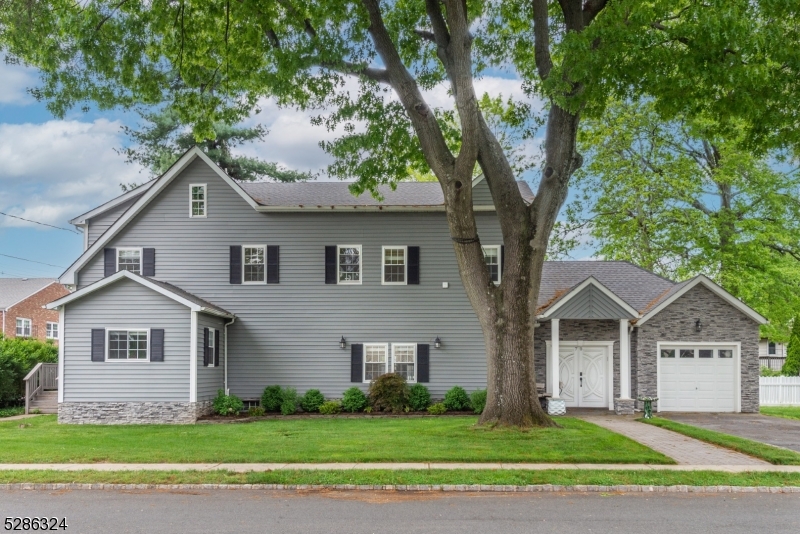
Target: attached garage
{"x":698,"y":377}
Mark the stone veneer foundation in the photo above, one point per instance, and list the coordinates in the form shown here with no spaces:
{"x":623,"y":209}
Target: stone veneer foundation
{"x":131,"y":413}
{"x":624,"y":406}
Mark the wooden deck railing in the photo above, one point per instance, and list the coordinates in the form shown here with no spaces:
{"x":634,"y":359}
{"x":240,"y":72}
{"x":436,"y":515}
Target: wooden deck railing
{"x":43,"y":377}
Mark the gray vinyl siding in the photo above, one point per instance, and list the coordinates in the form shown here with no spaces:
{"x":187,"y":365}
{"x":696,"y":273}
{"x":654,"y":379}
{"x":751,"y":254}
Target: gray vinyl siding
{"x":591,"y":303}
{"x":209,"y":379}
{"x":481,"y":196}
{"x":289,"y":333}
{"x":126,"y":304}
{"x":99,"y":224}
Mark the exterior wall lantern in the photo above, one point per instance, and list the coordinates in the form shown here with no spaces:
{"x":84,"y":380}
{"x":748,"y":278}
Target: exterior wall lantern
{"x":698,"y":325}
{"x":342,"y":343}
{"x":437,"y":343}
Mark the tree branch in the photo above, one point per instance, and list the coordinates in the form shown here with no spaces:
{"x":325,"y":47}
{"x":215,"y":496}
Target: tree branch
{"x":541,"y":38}
{"x":347,"y":67}
{"x":592,"y":8}
{"x":426,"y":35}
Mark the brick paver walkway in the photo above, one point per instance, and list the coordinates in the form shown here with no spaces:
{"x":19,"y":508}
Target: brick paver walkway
{"x":682,"y":449}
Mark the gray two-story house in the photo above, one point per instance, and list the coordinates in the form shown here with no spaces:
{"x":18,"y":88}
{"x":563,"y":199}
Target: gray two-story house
{"x":194,"y":283}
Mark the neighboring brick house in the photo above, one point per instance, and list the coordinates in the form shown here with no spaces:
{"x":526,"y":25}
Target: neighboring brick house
{"x":22,"y":308}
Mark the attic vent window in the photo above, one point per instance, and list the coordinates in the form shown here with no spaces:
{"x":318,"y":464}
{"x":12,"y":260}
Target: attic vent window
{"x":198,"y":199}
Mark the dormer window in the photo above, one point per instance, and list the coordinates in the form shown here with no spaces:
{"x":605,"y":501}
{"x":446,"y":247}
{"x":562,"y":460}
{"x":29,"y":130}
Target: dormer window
{"x":198,"y":200}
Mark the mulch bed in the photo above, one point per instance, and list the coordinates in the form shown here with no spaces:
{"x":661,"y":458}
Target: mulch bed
{"x":244,"y":418}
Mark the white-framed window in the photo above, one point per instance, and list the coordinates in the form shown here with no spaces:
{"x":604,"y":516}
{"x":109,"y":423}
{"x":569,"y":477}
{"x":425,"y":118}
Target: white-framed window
{"x":771,"y":348}
{"x":129,"y":259}
{"x":254,"y":264}
{"x":404,"y":360}
{"x":349,"y":264}
{"x":24,"y":327}
{"x":395,"y":266}
{"x":376,"y":360}
{"x":128,"y":344}
{"x":198,"y":196}
{"x":491,"y":255}
{"x":212,"y":336}
{"x":52,"y":331}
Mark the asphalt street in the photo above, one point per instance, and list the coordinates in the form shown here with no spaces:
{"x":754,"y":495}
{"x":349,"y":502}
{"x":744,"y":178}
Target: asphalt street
{"x":287,"y":512}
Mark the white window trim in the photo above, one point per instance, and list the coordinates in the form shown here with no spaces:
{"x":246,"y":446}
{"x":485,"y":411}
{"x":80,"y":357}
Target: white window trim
{"x":211,"y":345}
{"x":412,"y":380}
{"x":499,"y":261}
{"x":45,"y":330}
{"x":360,"y":267}
{"x":383,"y":266}
{"x":141,"y":257}
{"x":364,"y":360}
{"x":259,"y":282}
{"x":127,"y":329}
{"x":30,"y":327}
{"x":205,"y":201}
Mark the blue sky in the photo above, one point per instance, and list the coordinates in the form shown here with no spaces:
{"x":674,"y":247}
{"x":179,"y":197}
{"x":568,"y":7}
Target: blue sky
{"x":52,"y":170}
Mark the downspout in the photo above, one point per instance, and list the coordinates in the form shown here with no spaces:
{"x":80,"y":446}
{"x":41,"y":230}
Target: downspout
{"x":225,"y":333}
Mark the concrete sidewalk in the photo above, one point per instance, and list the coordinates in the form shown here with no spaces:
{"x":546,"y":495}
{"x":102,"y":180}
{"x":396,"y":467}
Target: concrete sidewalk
{"x":244,"y":468}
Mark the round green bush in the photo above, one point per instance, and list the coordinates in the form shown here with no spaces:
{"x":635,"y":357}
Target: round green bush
{"x":330,"y":408}
{"x":312,"y":400}
{"x":354,"y":400}
{"x":255,"y":411}
{"x":227,"y":404}
{"x":437,"y":409}
{"x":456,"y":399}
{"x":289,"y":402}
{"x":272,"y":398}
{"x":478,"y":400}
{"x":419,"y":398}
{"x":389,"y":392}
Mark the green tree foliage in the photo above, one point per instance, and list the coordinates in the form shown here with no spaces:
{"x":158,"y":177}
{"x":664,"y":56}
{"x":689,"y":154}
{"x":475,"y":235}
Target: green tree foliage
{"x":17,"y":357}
{"x":791,"y":367}
{"x":664,"y":196}
{"x":163,"y":139}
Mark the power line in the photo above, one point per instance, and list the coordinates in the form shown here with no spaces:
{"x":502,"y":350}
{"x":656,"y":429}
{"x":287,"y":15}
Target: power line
{"x":34,"y":261}
{"x":43,"y":224}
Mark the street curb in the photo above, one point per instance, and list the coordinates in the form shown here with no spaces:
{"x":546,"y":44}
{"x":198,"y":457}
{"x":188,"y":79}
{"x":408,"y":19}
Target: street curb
{"x":540,"y":488}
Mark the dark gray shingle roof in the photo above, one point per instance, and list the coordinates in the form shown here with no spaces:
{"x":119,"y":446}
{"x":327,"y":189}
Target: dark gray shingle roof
{"x":314,"y":194}
{"x":188,"y":296}
{"x":641,"y":289}
{"x":13,"y":290}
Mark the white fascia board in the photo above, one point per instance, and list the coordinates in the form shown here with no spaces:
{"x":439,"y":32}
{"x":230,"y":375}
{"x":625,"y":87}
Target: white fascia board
{"x":716,"y":289}
{"x":68,"y":277}
{"x":478,"y":179}
{"x":100,"y":284}
{"x":594,"y":282}
{"x":298,"y":209}
{"x":80,"y":220}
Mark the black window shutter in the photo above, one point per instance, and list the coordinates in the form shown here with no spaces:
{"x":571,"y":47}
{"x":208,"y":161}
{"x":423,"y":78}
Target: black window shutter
{"x":98,"y":344}
{"x":156,"y":344}
{"x":423,"y":363}
{"x":205,"y":346}
{"x":110,"y":261}
{"x":236,"y":264}
{"x":502,"y":258}
{"x":330,"y":266}
{"x":273,"y":264}
{"x":149,"y":262}
{"x":356,"y":362}
{"x":216,"y":348}
{"x":413,"y":265}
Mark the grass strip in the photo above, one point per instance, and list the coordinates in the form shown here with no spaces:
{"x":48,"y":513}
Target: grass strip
{"x":787,"y":412}
{"x":773,"y":455}
{"x":331,"y":439}
{"x":406,"y":477}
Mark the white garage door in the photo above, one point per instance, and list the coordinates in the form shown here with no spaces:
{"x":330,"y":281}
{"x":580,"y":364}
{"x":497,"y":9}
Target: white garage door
{"x":697,"y":378}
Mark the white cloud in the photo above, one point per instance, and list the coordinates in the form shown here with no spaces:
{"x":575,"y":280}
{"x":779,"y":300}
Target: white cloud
{"x":54,"y":171}
{"x":14,"y":80}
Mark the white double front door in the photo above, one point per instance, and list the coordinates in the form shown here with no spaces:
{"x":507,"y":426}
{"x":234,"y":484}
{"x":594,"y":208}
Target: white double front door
{"x":583,"y":373}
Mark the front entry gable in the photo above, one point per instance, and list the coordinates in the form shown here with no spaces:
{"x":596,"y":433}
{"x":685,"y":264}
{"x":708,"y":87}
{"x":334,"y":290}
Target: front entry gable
{"x":589,"y":300}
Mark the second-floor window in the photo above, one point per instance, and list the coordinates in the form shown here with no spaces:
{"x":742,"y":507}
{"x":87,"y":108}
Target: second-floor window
{"x":198,"y":200}
{"x":491,"y":254}
{"x":23,"y":327}
{"x":394,"y":265}
{"x":253,"y":264}
{"x":129,"y":259}
{"x":52,"y":331}
{"x":349,"y":264}
{"x":771,"y":348}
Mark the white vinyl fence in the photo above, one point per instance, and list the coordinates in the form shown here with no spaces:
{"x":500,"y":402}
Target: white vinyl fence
{"x":779,"y":390}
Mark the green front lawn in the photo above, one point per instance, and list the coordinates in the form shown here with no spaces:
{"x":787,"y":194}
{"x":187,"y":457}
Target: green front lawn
{"x":787,"y":412}
{"x":773,"y":455}
{"x":405,"y":477}
{"x":440,"y":439}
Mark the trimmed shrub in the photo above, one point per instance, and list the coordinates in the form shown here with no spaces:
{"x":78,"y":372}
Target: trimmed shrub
{"x":354,"y":400}
{"x":17,"y":357}
{"x":227,"y":404}
{"x":255,"y":411}
{"x":766,"y":371}
{"x":437,"y":409}
{"x":456,"y":399}
{"x":478,"y":400}
{"x":272,"y":398}
{"x":791,"y":367}
{"x":330,"y":408}
{"x":419,"y":398}
{"x":289,"y":401}
{"x":389,"y":392}
{"x":312,"y":400}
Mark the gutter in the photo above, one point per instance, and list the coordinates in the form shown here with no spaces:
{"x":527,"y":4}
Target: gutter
{"x":225,"y":333}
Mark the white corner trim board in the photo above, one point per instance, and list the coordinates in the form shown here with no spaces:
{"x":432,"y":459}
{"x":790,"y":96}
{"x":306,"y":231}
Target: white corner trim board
{"x":193,"y":358}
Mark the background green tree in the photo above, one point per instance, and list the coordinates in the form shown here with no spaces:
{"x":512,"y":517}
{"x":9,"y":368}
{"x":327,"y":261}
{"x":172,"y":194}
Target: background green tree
{"x":791,"y":367}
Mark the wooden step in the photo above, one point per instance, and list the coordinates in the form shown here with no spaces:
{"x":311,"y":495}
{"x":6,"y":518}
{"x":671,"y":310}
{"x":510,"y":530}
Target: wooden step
{"x":45,"y":402}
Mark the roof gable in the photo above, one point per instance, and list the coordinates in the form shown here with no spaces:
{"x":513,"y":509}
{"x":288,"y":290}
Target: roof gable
{"x":15,"y":290}
{"x":590,"y":300}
